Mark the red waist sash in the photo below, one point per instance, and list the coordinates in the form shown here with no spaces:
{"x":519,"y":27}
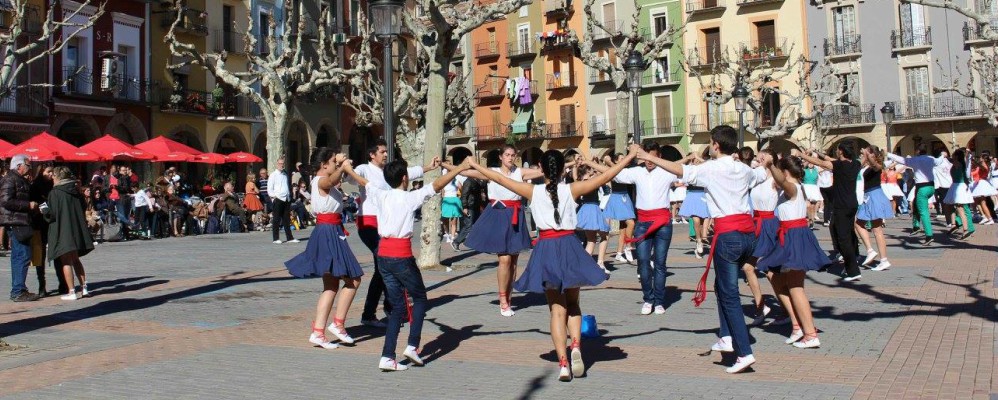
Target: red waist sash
{"x":788,"y":225}
{"x":658,"y":217}
{"x":515,"y":205}
{"x":367,"y":222}
{"x":554,"y":233}
{"x":395,"y":247}
{"x":730,"y":223}
{"x":332,"y":219}
{"x":760,"y":216}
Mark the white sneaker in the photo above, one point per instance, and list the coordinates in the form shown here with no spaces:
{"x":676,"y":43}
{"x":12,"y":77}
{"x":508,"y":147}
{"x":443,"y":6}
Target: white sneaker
{"x":659,"y":310}
{"x":870,"y":256}
{"x":578,"y":366}
{"x":84,"y":292}
{"x":811,"y":343}
{"x":413,"y":355}
{"x":723,"y":344}
{"x":646,"y":309}
{"x":884,"y":265}
{"x":759,"y":319}
{"x":619,"y":258}
{"x":341,"y":335}
{"x":629,"y":256}
{"x":840,"y":258}
{"x":294,"y":241}
{"x":320,"y":341}
{"x":373,"y":323}
{"x":699,"y":250}
{"x":278,"y":242}
{"x":852,"y":278}
{"x":71,"y":296}
{"x":388,"y":365}
{"x":507,"y":312}
{"x":564,"y":374}
{"x":741,"y":364}
{"x":795,"y":336}
{"x":990,"y":222}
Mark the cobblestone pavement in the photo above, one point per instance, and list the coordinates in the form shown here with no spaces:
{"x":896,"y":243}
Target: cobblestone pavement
{"x":217,"y":316}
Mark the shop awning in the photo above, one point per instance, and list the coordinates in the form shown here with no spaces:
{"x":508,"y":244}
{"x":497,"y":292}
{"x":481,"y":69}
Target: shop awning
{"x":522,"y":122}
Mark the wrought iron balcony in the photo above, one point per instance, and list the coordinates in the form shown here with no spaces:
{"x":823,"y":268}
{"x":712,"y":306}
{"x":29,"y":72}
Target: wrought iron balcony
{"x":189,"y":101}
{"x":659,"y":78}
{"x":487,"y":50}
{"x":565,"y":129}
{"x":489,"y":94}
{"x":492,"y":132}
{"x":662,"y":128}
{"x":561,"y":81}
{"x":704,"y":56}
{"x":558,"y":7}
{"x":557,"y":42}
{"x":846,"y":45}
{"x":834,"y":116}
{"x":974,"y":33}
{"x":704,"y":6}
{"x":755,"y":2}
{"x":706,"y":122}
{"x":25,"y":102}
{"x":614,"y":29}
{"x":192,"y":21}
{"x":84,"y":82}
{"x":525,"y":48}
{"x":237,"y":107}
{"x":762,"y":50}
{"x":232,"y":42}
{"x":925,"y":107}
{"x":911,"y":39}
{"x":597,"y":77}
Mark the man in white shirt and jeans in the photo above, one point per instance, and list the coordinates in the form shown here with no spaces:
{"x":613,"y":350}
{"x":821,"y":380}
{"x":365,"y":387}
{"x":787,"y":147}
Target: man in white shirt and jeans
{"x":278,"y":187}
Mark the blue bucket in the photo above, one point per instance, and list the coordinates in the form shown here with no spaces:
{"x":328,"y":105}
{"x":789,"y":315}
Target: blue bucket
{"x":589,"y":326}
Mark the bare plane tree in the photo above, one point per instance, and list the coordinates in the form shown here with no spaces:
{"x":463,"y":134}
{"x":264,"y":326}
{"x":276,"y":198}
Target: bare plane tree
{"x":298,"y":63}
{"x":27,"y":41}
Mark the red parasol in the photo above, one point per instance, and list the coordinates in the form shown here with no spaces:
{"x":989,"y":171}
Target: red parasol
{"x":45,"y":147}
{"x":209,"y":158}
{"x":5,"y":146}
{"x":161,"y":147}
{"x":112,"y":148}
{"x":243,"y":157}
{"x":176,"y":156}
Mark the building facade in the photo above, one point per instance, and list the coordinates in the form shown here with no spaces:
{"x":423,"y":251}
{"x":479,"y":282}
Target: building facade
{"x":663,"y":102}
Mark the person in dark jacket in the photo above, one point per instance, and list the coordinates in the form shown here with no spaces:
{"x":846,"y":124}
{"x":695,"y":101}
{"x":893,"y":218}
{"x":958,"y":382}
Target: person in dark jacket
{"x":472,"y":201}
{"x":16,"y":209}
{"x":40,"y":188}
{"x":69,"y":237}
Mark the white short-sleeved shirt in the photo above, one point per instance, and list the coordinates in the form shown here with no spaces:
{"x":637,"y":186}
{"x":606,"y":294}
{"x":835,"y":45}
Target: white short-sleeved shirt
{"x":499,"y":192}
{"x":726,"y":183}
{"x":376,"y":175}
{"x":765,"y":196}
{"x":652,"y":187}
{"x":927,"y":168}
{"x":542,"y":208}
{"x":328,"y":204}
{"x":791,"y":209}
{"x":454,"y":185}
{"x":397,"y":208}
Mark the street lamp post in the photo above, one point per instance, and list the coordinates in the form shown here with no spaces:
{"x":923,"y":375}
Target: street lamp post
{"x":635,"y":66}
{"x":386,"y":22}
{"x":888,"y":113}
{"x":740,"y":94}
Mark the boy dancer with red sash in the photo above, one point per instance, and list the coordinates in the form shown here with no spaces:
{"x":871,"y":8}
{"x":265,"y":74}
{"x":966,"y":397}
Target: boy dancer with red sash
{"x":727,"y":182}
{"x":396,"y":212}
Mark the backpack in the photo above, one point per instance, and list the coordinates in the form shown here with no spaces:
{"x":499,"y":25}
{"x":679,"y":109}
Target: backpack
{"x":213,"y":226}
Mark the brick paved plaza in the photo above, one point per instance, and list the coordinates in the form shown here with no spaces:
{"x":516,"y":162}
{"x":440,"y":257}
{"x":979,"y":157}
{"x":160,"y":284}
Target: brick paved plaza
{"x":218,"y":317}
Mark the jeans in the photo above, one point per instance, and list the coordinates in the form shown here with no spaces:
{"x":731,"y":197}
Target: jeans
{"x":282,"y":217}
{"x":20,"y":258}
{"x":403,"y":274}
{"x":377,"y":286}
{"x":653,"y":282}
{"x":467,"y":221}
{"x":922,"y":219}
{"x":845,"y":239}
{"x":731,"y":251}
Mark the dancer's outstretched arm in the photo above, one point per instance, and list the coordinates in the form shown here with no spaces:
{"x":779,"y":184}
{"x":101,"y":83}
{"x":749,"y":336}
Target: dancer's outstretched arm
{"x":521,"y":188}
{"x":582,"y":187}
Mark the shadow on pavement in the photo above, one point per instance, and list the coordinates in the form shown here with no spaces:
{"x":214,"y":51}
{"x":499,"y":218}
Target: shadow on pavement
{"x":451,"y":338}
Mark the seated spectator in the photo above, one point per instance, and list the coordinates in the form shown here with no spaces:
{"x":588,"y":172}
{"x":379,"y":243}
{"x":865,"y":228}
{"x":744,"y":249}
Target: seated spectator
{"x":232,"y":206}
{"x":301,"y":198}
{"x":201,"y":211}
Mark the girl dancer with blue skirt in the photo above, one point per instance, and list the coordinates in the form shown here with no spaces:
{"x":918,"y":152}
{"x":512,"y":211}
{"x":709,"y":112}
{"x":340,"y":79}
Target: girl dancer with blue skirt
{"x":876,"y":208}
{"x":795,"y":252}
{"x":695,"y":208}
{"x":327,"y":254}
{"x":592,"y":221}
{"x":559,"y":266}
{"x":620,"y":208}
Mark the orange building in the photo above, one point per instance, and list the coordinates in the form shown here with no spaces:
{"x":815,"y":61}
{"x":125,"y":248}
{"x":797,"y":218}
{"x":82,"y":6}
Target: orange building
{"x":563,"y":119}
{"x":493,"y":117}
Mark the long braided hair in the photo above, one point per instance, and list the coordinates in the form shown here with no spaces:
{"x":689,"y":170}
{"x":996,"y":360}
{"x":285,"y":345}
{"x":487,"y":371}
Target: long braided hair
{"x":553,"y":166}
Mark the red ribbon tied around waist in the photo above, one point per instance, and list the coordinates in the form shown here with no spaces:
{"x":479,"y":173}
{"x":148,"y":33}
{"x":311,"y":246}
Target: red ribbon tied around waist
{"x":332,"y":219}
{"x":786,"y":226}
{"x":367,"y":222}
{"x":759,"y":217}
{"x":731,"y":223}
{"x":515,"y":205}
{"x":658,"y":217}
{"x":395,"y":247}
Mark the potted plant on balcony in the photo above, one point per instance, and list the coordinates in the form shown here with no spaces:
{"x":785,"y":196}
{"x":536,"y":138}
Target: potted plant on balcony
{"x":217,"y":94}
{"x":747,"y":54}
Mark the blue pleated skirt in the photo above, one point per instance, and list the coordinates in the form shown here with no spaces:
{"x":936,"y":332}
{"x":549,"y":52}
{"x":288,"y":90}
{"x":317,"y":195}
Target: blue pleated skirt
{"x":494,"y":232}
{"x":591,"y":218}
{"x":326,"y":252}
{"x":559,"y":264}
{"x":695,"y":205}
{"x":801,"y":252}
{"x":767,"y":240}
{"x":875,"y":206}
{"x":619,"y":207}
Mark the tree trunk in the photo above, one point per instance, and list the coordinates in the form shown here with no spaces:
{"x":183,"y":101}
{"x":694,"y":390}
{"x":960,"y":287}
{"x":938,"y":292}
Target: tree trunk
{"x":276,"y":125}
{"x":620,"y":135}
{"x":429,"y":255}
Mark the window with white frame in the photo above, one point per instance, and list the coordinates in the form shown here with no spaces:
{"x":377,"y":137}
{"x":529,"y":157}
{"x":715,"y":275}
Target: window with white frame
{"x":917,"y":85}
{"x":660,"y":22}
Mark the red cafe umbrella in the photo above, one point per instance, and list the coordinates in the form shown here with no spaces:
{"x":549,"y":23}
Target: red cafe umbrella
{"x":243,"y":157}
{"x":176,"y":156}
{"x":112,"y":148}
{"x":45,"y":147}
{"x":209,"y":158}
{"x":160,"y":147}
{"x":5,"y":146}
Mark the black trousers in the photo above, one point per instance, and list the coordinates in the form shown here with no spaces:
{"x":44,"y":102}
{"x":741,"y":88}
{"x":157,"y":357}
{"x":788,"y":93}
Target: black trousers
{"x":826,"y":193}
{"x":375,"y":289}
{"x":844,"y":238}
{"x":466,"y":222}
{"x":282,"y":217}
{"x":940,"y":195}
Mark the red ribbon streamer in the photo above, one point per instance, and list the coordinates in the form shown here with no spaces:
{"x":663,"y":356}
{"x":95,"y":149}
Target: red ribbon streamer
{"x":658,"y":217}
{"x":730,"y":223}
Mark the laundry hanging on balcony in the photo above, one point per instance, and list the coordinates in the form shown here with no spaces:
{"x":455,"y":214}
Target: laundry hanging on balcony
{"x":518,"y":91}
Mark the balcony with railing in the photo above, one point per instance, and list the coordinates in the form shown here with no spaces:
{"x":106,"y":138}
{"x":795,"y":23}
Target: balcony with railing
{"x":597,"y":77}
{"x":561,"y":81}
{"x":704,"y":6}
{"x":558,"y":7}
{"x":652,"y":35}
{"x":844,"y":46}
{"x":614,"y":29}
{"x":230,"y":41}
{"x":557,"y":42}
{"x":746,"y":3}
{"x":84,"y":82}
{"x":764,"y":50}
{"x":704,"y":57}
{"x":192,"y":21}
{"x":25,"y":102}
{"x":947,"y":107}
{"x":706,"y":122}
{"x":233,"y":107}
{"x":662,"y":78}
{"x":487,"y":50}
{"x":515,"y":50}
{"x":974,"y":33}
{"x":848,"y":115}
{"x":189,"y":101}
{"x":565,"y":129}
{"x":911,"y":39}
{"x":490,"y":91}
{"x":662,"y":128}
{"x":485,"y":133}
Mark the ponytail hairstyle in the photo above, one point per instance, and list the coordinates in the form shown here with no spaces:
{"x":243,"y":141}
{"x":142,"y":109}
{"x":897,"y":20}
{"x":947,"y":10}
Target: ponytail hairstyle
{"x":553,"y":166}
{"x":878,"y":155}
{"x":793,"y":166}
{"x":321,"y":156}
